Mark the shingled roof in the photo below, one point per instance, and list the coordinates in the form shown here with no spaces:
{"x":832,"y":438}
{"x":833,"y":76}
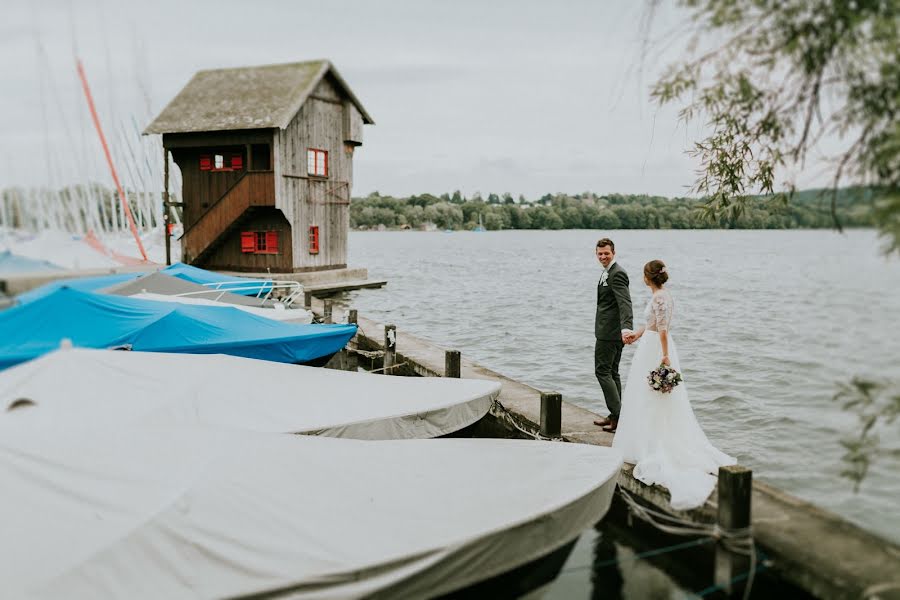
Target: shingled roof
{"x":261,"y":97}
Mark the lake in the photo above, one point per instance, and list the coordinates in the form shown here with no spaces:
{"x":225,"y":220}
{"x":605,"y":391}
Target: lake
{"x":768,"y":323}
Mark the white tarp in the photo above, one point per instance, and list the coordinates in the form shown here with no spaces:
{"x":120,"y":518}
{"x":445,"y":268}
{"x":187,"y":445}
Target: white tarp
{"x":277,"y":312}
{"x":67,"y":250}
{"x":166,"y":512}
{"x":113,"y":388}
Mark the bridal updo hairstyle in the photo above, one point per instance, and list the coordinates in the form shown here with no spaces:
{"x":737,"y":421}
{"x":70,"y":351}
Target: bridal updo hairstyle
{"x":655,"y":272}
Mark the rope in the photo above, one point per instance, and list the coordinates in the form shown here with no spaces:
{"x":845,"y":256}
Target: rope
{"x":647,"y":554}
{"x":748,"y":576}
{"x":737,"y":541}
{"x":392,"y":367}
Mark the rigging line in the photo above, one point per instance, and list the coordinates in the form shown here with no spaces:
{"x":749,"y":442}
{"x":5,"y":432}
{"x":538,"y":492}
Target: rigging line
{"x":647,"y":554}
{"x":749,"y":576}
{"x":112,"y":168}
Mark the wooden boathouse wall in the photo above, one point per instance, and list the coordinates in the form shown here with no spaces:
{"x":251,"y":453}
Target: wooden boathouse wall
{"x":327,"y":121}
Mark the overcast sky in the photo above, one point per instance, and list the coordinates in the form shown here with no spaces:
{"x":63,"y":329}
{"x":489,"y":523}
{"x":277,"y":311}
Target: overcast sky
{"x":525,"y":97}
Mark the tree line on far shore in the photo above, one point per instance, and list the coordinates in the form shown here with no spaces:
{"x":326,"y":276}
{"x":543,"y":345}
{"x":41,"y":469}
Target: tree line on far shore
{"x":809,"y":209}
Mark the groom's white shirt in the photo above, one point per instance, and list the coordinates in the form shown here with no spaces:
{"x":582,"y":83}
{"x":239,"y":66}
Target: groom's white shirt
{"x":604,"y":276}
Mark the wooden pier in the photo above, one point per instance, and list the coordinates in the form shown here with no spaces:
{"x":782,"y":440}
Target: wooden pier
{"x":807,"y":547}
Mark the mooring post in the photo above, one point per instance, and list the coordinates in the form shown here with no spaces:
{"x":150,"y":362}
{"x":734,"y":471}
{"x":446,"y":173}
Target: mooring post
{"x":327,"y":310}
{"x":307,"y":300}
{"x":390,"y":347}
{"x":166,"y":219}
{"x":452,"y":364}
{"x":735,"y":491}
{"x":551,"y":414}
{"x":352,"y":358}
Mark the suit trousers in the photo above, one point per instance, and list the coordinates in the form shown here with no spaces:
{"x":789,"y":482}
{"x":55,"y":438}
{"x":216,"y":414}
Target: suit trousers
{"x":607,"y":354}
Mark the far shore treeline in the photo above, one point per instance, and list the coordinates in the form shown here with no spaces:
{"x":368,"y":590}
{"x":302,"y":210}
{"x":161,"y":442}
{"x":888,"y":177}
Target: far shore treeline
{"x":807,"y":209}
{"x":70,"y":209}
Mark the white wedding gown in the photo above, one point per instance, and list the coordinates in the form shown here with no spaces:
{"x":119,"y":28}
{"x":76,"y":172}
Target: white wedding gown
{"x":659,"y":432}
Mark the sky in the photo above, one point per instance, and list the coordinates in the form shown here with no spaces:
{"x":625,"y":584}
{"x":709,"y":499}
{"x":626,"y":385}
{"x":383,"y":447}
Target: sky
{"x":503,"y":96}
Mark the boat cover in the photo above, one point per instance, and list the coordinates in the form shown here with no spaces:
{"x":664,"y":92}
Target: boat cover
{"x":14,"y":264}
{"x":69,"y":251}
{"x":85,"y":284}
{"x":186,"y":513}
{"x":277,"y":312}
{"x":160,"y":283}
{"x":239,"y":285}
{"x":120,"y":388}
{"x":101,"y":321}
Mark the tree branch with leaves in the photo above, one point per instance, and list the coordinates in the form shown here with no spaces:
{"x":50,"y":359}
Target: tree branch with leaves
{"x":788,"y":75}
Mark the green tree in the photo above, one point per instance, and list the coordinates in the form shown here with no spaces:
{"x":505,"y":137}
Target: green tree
{"x":763,"y":91}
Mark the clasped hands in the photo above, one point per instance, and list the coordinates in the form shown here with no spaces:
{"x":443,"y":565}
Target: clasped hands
{"x":630,"y":337}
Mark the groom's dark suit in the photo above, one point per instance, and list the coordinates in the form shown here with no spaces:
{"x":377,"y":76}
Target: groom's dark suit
{"x":613,"y":315}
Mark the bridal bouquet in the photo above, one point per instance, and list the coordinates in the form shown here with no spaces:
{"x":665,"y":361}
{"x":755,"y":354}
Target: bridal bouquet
{"x":664,"y":379}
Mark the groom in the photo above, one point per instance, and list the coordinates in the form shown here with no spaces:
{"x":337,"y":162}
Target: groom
{"x":612,"y":328}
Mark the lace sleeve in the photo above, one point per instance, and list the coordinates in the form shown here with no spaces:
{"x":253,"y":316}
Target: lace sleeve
{"x":661,"y":305}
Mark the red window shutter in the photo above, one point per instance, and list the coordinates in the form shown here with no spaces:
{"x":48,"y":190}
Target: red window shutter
{"x":237,"y":162}
{"x":248,"y":242}
{"x":271,"y":242}
{"x":205,"y":162}
{"x":325,"y":166}
{"x":314,"y":239}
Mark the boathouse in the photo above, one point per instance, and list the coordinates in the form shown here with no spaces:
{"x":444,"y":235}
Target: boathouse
{"x":266,"y":160}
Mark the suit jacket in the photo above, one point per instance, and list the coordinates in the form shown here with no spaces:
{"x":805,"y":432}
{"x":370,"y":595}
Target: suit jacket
{"x":613,"y":306}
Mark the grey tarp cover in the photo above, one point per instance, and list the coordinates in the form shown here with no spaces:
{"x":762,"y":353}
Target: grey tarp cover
{"x":105,"y":387}
{"x":160,"y":283}
{"x":166,"y":512}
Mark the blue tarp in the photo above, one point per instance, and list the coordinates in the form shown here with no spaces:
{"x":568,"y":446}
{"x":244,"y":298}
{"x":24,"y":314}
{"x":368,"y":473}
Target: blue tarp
{"x":250,"y":287}
{"x":99,"y":321}
{"x":84,"y":284}
{"x":13,"y":263}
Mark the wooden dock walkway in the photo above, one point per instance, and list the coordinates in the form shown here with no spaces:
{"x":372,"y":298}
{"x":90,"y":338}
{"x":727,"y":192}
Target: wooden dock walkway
{"x":805,"y":546}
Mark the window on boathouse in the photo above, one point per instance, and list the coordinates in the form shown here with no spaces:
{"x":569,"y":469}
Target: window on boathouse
{"x":314,"y":239}
{"x":259,"y":242}
{"x":221,"y":162}
{"x":317,"y":162}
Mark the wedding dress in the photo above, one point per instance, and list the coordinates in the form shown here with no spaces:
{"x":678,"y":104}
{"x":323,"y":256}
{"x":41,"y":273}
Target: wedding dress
{"x":659,"y":432}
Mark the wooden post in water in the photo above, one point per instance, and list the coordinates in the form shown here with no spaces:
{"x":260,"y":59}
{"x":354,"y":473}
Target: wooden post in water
{"x":352,"y":358}
{"x":551,"y":414}
{"x":735,"y":491}
{"x":327,"y":310}
{"x":307,"y":300}
{"x":452,"y":364}
{"x":390,"y":348}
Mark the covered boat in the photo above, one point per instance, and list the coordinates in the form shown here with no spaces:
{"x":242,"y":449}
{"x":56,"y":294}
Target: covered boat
{"x":115,"y":389}
{"x":238,"y":285}
{"x":169,"y":285}
{"x":92,"y":320}
{"x":84,"y":284}
{"x":165,"y":288}
{"x":169,"y":512}
{"x":13,"y":264}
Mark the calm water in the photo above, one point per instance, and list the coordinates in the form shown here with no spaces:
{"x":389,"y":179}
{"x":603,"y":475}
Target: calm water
{"x":767,"y":323}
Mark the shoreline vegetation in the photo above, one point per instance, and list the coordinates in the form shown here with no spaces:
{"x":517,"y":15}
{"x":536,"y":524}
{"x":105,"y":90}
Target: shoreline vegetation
{"x":808,"y":209}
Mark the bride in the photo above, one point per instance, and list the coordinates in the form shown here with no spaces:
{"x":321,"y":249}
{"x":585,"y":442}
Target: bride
{"x":658,"y":432}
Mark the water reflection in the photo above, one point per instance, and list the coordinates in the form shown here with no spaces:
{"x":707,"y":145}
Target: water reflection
{"x":603,"y":566}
